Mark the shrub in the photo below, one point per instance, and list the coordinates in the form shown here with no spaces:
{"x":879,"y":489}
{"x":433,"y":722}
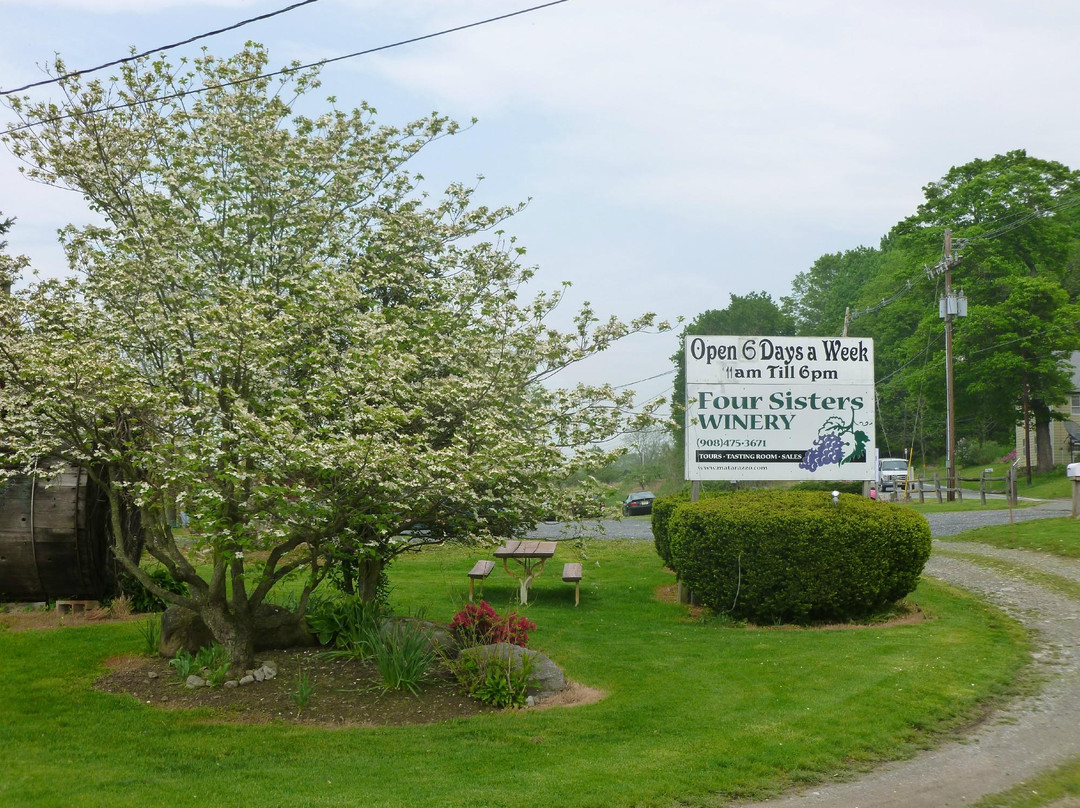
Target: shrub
{"x":774,"y":556}
{"x":142,"y":599}
{"x":970,"y":452}
{"x":830,"y":486}
{"x":402,"y":652}
{"x":348,"y":623}
{"x":404,"y":656}
{"x":150,"y":631}
{"x":662,"y":509}
{"x":120,"y":607}
{"x":495,"y":679}
{"x":481,"y":625}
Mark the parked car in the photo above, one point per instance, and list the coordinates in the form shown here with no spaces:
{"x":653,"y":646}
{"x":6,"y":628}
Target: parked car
{"x":892,"y":473}
{"x":640,"y":502}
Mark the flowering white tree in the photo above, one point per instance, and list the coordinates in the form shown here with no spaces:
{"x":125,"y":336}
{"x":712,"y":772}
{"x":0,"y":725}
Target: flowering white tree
{"x":274,"y":330}
{"x":9,"y":266}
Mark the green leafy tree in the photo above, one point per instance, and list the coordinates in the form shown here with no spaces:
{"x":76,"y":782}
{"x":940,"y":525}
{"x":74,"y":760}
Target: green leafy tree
{"x":820,"y":295}
{"x":753,"y":314}
{"x":897,"y":308}
{"x":1016,"y":217}
{"x":1012,"y":216}
{"x":274,"y":329}
{"x":873,"y":284}
{"x":1024,"y":338}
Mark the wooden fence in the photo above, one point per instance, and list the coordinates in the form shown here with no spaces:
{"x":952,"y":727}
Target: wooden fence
{"x":920,"y":487}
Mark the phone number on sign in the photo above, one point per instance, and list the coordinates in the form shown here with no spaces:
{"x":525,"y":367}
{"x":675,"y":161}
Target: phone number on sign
{"x":731,"y":443}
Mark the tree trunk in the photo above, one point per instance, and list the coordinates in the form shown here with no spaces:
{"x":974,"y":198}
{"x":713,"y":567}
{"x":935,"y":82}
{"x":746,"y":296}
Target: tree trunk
{"x":1044,"y":450}
{"x":368,"y":575}
{"x":1027,"y":426}
{"x":235,"y":632}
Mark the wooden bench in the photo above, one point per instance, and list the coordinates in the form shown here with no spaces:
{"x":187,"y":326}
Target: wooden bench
{"x":479,"y":572}
{"x":571,"y":573}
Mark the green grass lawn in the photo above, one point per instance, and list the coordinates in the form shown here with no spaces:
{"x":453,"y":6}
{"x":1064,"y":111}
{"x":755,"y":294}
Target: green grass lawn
{"x":1057,"y":536}
{"x":1058,"y":788}
{"x":970,"y":503}
{"x":1044,"y":485}
{"x":696,"y":711}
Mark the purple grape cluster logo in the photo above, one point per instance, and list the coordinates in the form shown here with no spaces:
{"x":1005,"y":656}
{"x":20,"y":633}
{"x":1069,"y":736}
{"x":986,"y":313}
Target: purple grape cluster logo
{"x":838,"y":442}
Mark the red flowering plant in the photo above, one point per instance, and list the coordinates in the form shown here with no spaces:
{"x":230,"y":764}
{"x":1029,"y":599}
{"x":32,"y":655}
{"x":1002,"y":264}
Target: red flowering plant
{"x":482,"y":625}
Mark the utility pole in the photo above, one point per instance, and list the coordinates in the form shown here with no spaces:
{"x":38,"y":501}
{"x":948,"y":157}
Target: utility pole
{"x":950,"y":306}
{"x":847,"y":319}
{"x":950,"y":398}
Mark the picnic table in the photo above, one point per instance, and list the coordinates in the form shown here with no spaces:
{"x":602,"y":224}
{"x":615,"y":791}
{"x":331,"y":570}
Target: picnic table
{"x":531,"y":556}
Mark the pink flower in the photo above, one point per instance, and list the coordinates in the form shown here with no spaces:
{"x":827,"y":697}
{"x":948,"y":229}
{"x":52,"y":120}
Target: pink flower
{"x":481,"y":625}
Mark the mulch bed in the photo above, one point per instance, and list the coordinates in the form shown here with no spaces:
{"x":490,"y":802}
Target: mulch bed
{"x":346,"y":693}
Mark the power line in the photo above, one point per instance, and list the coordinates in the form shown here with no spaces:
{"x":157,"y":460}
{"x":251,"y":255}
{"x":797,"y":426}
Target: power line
{"x":1022,"y":218}
{"x":133,"y":57}
{"x":966,"y":354}
{"x":287,"y":70}
{"x":662,"y":395}
{"x":1006,"y":224}
{"x":639,"y":381}
{"x":1018,"y":339}
{"x":907,"y":287}
{"x":923,"y":353}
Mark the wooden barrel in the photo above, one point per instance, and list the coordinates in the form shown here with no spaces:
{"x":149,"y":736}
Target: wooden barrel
{"x":54,"y":542}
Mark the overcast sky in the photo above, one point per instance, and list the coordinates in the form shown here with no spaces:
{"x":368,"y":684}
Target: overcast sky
{"x":674,"y":151}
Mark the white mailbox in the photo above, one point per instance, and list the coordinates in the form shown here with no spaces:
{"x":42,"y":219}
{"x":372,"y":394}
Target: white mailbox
{"x":1072,"y":471}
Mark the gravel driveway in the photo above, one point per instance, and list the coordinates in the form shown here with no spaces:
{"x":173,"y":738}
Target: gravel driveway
{"x":1030,"y":735}
{"x":632,"y":527}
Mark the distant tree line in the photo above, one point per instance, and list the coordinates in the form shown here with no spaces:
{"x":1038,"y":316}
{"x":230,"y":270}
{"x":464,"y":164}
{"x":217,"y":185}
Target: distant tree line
{"x":1016,"y":219}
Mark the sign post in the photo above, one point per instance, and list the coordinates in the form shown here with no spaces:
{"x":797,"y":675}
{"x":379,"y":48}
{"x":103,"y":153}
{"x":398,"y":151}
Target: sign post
{"x":779,"y":408}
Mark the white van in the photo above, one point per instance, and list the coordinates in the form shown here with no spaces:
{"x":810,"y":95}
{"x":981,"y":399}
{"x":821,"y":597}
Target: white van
{"x":892,"y":472}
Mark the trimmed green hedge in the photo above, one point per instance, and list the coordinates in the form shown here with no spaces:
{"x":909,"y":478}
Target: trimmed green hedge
{"x":843,"y":488}
{"x":794,"y":556}
{"x":662,"y":509}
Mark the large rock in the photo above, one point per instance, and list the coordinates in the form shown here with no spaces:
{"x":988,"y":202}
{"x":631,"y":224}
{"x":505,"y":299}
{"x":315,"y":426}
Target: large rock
{"x":545,"y":678}
{"x":182,"y":628}
{"x":275,"y":627}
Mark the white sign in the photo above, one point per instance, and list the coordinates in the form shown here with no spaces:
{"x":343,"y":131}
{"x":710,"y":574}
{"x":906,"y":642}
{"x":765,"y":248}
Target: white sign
{"x":779,"y":408}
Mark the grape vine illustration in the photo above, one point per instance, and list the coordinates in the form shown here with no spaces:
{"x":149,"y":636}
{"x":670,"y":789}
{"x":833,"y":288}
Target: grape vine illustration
{"x":838,"y":442}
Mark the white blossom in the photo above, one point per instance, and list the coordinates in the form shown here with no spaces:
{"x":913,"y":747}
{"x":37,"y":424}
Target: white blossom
{"x":274,"y":328}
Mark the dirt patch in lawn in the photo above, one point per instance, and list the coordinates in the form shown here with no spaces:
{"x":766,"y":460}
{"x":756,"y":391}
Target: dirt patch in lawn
{"x":346,"y":693}
{"x":36,"y":619}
